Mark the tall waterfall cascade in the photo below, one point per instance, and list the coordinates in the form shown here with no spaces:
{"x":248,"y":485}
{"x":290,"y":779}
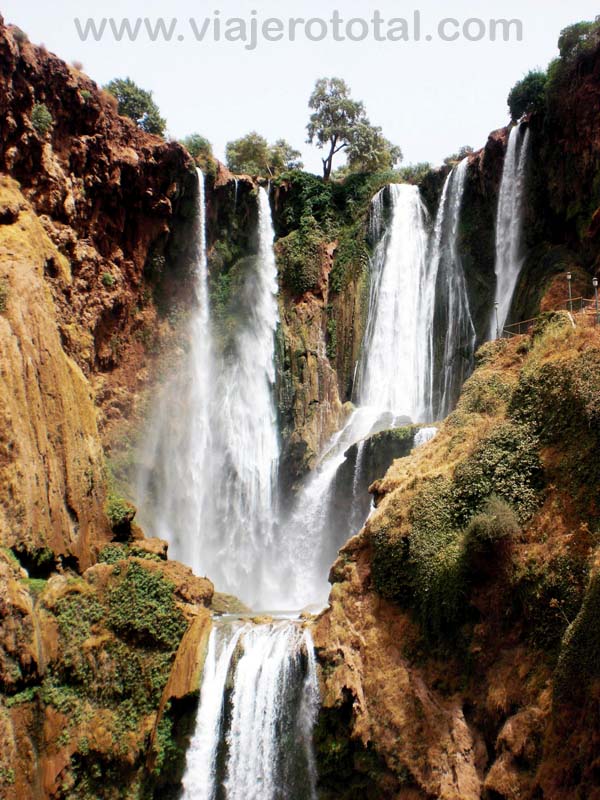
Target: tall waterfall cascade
{"x":254,"y":742}
{"x":451,"y":336}
{"x":211,"y":462}
{"x":210,"y":488}
{"x":389,"y":384}
{"x":509,"y":225}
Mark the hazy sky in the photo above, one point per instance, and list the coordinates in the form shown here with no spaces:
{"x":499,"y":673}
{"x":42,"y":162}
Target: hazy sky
{"x":430,"y":97}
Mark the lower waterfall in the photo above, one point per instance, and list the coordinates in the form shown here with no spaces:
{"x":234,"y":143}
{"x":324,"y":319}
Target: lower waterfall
{"x":258,"y":705}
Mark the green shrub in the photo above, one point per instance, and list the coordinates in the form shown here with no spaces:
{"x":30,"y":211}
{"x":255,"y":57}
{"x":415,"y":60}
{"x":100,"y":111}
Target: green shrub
{"x":142,"y":607}
{"x":415,"y":173}
{"x":547,"y":596}
{"x":113,"y":553}
{"x":137,"y":104}
{"x":300,"y":255}
{"x":496,"y":523}
{"x":197,"y":146}
{"x":485,"y":394}
{"x":119,"y":511}
{"x":506,"y":463}
{"x":528,"y":95}
{"x":331,"y":347}
{"x":426,"y":570}
{"x":86,"y":94}
{"x":351,"y":257}
{"x":108,"y":280}
{"x":579,"y":38}
{"x":41,"y":119}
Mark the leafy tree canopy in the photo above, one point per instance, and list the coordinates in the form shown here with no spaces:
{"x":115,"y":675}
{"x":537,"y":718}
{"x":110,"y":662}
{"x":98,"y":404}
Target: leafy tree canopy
{"x":528,"y":95}
{"x":579,"y":37}
{"x":197,"y":146}
{"x":253,"y":155}
{"x":370,"y":151}
{"x":340,"y":123}
{"x":137,"y":103}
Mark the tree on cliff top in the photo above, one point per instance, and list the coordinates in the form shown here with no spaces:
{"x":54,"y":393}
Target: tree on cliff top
{"x":340,"y":123}
{"x":137,"y":104}
{"x":527,"y":95}
{"x":252,"y":155}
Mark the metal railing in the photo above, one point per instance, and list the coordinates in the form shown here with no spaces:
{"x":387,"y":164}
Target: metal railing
{"x":576,"y":306}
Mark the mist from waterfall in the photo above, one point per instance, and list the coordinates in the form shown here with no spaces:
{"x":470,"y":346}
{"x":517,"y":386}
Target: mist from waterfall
{"x":451,"y":335}
{"x":509,"y":226}
{"x":389,"y":383}
{"x":254,"y":742}
{"x":210,"y":463}
{"x":173,"y":495}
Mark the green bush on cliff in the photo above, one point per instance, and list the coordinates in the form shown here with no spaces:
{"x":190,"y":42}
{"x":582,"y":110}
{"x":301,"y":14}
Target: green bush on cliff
{"x":547,"y":595}
{"x":497,"y":522}
{"x":41,"y":119}
{"x":351,"y":257}
{"x":300,"y":256}
{"x":484,"y":394}
{"x":427,"y":570}
{"x":119,"y":511}
{"x":137,"y":104}
{"x":528,"y":95}
{"x":579,"y":38}
{"x":506,"y":463}
{"x":142,"y":607}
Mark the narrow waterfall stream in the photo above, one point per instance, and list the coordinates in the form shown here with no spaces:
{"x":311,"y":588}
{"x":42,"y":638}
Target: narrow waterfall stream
{"x":173,"y":495}
{"x":451,"y":337}
{"x":509,"y":225}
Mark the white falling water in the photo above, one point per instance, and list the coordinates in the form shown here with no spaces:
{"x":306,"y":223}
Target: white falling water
{"x":390,"y":375}
{"x":249,"y":447}
{"x":389,"y":381}
{"x":212,"y":457}
{"x":509,"y":225}
{"x":174,"y":497}
{"x":256,"y":742}
{"x":200,"y":779}
{"x":446,"y":304}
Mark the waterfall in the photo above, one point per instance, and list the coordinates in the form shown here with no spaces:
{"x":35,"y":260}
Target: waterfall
{"x":509,"y":225}
{"x":249,"y":446}
{"x":389,"y":383}
{"x":391,"y":369}
{"x":211,"y":459}
{"x":253,"y":741}
{"x":173,"y":495}
{"x":451,"y":334}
